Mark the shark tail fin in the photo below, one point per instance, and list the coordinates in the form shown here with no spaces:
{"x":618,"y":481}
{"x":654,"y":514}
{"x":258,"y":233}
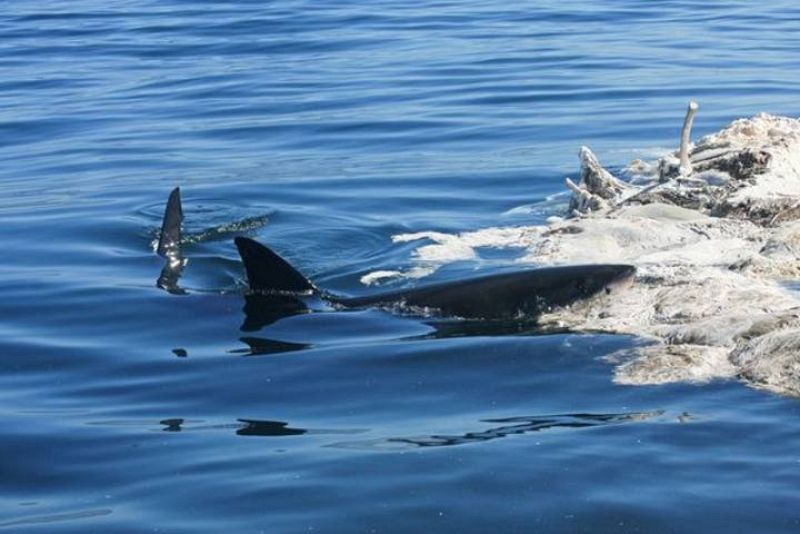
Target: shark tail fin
{"x":169,"y":242}
{"x":269,"y":273}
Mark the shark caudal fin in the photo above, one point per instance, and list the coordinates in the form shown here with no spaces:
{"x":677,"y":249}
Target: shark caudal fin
{"x":269,"y":273}
{"x":169,"y":245}
{"x":169,"y":242}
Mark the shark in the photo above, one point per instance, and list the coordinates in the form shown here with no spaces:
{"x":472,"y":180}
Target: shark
{"x":277,"y":289}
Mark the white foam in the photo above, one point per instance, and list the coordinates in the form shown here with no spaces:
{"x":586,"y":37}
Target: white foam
{"x":448,"y":248}
{"x":381,"y":277}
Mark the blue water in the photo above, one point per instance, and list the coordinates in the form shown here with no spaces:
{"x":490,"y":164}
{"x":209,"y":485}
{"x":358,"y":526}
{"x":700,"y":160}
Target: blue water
{"x":330,"y":127}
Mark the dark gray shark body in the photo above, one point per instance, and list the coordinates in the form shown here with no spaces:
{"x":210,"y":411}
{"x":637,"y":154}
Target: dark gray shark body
{"x":276,"y":289}
{"x":526,"y":293}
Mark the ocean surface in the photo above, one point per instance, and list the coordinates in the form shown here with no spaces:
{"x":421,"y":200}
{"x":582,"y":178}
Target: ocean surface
{"x":324,"y":129}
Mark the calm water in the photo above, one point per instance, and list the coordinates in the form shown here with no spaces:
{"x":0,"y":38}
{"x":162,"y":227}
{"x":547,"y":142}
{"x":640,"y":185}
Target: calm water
{"x":328,"y":127}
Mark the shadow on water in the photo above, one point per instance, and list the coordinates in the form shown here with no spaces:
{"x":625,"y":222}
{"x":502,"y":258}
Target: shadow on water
{"x":261,"y":311}
{"x":257,"y":346}
{"x":247,"y":427}
{"x":516,"y":426}
{"x":258,"y":317}
{"x":243,"y":427}
{"x":508,"y":426}
{"x":445,"y":329}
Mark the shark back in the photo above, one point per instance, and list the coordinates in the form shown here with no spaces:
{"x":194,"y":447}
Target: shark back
{"x":526,"y":293}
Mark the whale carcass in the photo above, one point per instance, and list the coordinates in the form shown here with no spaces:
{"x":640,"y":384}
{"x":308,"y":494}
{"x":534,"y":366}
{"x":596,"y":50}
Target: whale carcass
{"x":714,"y":232}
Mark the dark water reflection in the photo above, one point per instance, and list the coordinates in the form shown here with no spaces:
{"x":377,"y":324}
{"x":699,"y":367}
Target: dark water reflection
{"x":522,"y":425}
{"x":244,"y":428}
{"x":259,"y":346}
{"x":263,"y":310}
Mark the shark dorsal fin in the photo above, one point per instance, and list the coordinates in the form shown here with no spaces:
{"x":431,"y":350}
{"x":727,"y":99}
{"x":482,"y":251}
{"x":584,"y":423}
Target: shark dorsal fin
{"x":269,"y":273}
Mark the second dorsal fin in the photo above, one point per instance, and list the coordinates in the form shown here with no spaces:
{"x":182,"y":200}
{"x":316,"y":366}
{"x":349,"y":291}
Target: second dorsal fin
{"x":269,"y":273}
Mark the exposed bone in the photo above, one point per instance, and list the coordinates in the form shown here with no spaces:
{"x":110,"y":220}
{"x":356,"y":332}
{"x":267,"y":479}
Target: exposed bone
{"x":739,"y":172}
{"x":583,"y":201}
{"x":573,"y":187}
{"x":686,"y":138}
{"x":598,"y":189}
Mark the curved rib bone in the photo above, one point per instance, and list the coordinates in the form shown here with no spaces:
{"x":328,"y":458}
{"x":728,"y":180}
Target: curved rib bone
{"x":686,"y":138}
